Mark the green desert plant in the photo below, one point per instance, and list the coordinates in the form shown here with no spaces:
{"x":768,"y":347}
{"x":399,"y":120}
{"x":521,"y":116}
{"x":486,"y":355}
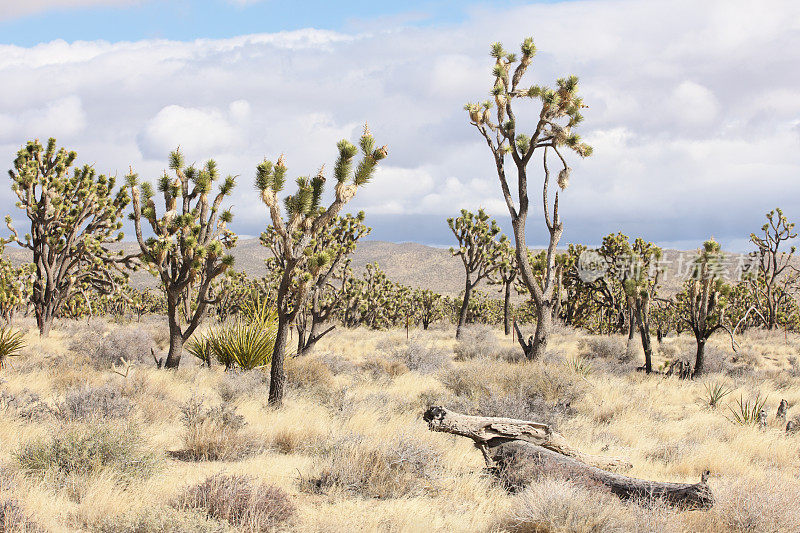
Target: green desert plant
{"x":579,"y":365}
{"x":715,"y":392}
{"x":746,"y":412}
{"x":11,"y":343}
{"x":246,"y":343}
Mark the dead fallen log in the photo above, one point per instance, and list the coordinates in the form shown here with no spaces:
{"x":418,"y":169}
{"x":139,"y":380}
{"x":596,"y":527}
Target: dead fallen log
{"x":489,"y":431}
{"x":522,"y":450}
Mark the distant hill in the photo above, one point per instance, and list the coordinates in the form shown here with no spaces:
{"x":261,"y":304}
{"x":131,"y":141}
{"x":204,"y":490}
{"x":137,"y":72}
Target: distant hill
{"x":413,"y":264}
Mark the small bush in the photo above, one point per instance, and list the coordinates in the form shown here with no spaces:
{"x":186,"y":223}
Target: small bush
{"x":611,"y":347}
{"x":158,"y":520}
{"x":236,"y":384}
{"x":92,"y":403}
{"x":423,"y":357}
{"x":337,"y":364}
{"x":125,"y":343}
{"x":308,"y":373}
{"x":26,"y":405}
{"x":715,"y":392}
{"x":757,"y":505}
{"x":477,"y":341}
{"x":13,"y":519}
{"x":86,"y":451}
{"x":241,"y":501}
{"x":378,"y":367}
{"x":556,"y":505}
{"x":402,"y":466}
{"x":745,"y":412}
{"x":213,"y":434}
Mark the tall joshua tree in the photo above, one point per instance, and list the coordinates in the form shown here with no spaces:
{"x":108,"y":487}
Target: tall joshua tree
{"x":479,"y":249}
{"x":775,"y":278}
{"x":294,"y":241}
{"x":189,"y":248}
{"x":559,"y":112}
{"x":72,"y":220}
{"x":640,"y":289}
{"x":703,"y":301}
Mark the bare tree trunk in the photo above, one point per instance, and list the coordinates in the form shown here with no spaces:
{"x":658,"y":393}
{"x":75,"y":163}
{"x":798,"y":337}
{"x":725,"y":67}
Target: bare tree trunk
{"x":277,"y":378}
{"x":644,"y":330}
{"x":507,"y":310}
{"x":44,"y":318}
{"x":175,"y":335}
{"x":544,"y":323}
{"x":462,"y":315}
{"x":700,"y":356}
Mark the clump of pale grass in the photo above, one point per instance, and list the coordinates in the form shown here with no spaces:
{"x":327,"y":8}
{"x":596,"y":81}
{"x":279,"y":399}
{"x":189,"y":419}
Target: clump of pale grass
{"x":756,"y":505}
{"x":93,"y":403}
{"x":213,"y":434}
{"x":85,"y":451}
{"x":478,"y":341}
{"x":236,"y":384}
{"x":14,"y":519}
{"x":392,"y":467}
{"x":309,"y":374}
{"x":241,"y":501}
{"x":422,"y":356}
{"x":379,"y":367}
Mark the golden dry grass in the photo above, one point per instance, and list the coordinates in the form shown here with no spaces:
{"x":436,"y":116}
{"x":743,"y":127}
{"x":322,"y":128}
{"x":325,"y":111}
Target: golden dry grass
{"x":350,"y":452}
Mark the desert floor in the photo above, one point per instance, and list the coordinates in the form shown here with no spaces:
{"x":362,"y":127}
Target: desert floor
{"x":88,"y":447}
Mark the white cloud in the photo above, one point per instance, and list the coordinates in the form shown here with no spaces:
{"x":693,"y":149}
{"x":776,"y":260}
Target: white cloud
{"x":691,"y":122}
{"x":18,"y":8}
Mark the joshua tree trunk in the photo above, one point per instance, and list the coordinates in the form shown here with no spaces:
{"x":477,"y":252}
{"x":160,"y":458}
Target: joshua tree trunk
{"x":507,"y":310}
{"x":44,"y":318}
{"x":700,"y":356}
{"x":544,"y":323}
{"x":644,"y":329}
{"x":277,"y":378}
{"x":175,"y":335}
{"x":462,"y":314}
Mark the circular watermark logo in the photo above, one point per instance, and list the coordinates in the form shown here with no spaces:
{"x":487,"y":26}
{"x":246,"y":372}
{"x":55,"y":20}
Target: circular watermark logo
{"x":591,"y":266}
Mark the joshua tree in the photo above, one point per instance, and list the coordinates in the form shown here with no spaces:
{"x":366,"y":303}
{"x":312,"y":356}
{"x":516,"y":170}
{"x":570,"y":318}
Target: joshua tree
{"x":640,"y":289}
{"x":704,"y":299}
{"x":558,"y":115}
{"x":16,"y":285}
{"x":776,"y":279}
{"x":294,"y":241}
{"x":72,"y":219}
{"x":338,"y":242}
{"x":429,"y":305}
{"x":480,"y":251}
{"x":188,"y":250}
{"x":505,"y":275}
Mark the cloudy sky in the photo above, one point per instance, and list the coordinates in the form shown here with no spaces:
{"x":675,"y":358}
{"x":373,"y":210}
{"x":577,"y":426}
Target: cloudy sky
{"x":694,"y":107}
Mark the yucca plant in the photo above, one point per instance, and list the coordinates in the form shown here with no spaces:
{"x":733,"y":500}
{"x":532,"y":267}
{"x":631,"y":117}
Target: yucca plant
{"x":579,"y":365}
{"x":715,"y":392}
{"x":11,"y":343}
{"x":246,"y":343}
{"x":746,"y":411}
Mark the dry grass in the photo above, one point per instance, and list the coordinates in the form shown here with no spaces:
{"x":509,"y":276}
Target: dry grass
{"x":85,"y":449}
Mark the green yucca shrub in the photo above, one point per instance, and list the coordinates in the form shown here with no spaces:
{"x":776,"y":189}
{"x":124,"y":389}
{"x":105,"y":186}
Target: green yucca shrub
{"x":11,"y":343}
{"x":745,"y":413}
{"x":246,"y":343}
{"x":715,"y":392}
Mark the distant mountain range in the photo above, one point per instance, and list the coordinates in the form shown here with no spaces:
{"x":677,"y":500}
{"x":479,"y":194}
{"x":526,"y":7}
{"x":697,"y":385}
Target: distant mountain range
{"x":413,"y":264}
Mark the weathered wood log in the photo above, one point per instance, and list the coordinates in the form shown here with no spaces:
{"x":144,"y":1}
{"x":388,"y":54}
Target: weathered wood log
{"x":489,"y":431}
{"x":517,"y":454}
{"x":524,"y":449}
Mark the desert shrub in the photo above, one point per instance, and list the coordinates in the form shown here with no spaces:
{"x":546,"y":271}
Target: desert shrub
{"x":378,"y":367}
{"x":236,"y":384}
{"x":310,"y":374}
{"x":88,"y":450}
{"x":337,"y":364}
{"x":245,"y":343}
{"x":155,"y":520}
{"x":130,"y":344}
{"x":241,"y":501}
{"x":213,"y":434}
{"x":523,"y":406}
{"x":611,"y":347}
{"x":421,"y":356}
{"x":470,"y":380}
{"x":554,"y":505}
{"x":14,"y":519}
{"x":553,"y":383}
{"x":26,"y":405}
{"x":746,"y":412}
{"x":670,"y":452}
{"x":390,"y":468}
{"x":11,"y":343}
{"x":758,"y":505}
{"x":91,"y":403}
{"x":476,"y":341}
